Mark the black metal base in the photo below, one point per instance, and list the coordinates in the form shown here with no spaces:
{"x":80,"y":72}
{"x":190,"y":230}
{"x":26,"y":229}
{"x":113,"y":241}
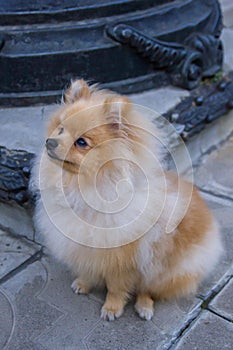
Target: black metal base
{"x":15,"y":167}
{"x":207,"y":103}
{"x":126,"y":45}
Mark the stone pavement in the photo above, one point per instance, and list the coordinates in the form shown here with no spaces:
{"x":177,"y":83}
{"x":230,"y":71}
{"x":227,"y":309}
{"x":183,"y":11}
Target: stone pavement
{"x":40,"y":312}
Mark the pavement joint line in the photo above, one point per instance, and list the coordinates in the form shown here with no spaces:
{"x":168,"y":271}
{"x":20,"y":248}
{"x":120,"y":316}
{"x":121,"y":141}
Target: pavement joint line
{"x":219,"y":315}
{"x":35,"y":257}
{"x":11,"y":232}
{"x":84,"y":340}
{"x":63,"y":316}
{"x":19,"y":236}
{"x":192,"y":317}
{"x":85,"y":345}
{"x":8,"y":230}
{"x":96,"y":299}
{"x":203,"y":305}
{"x":216,"y":289}
{"x":13,"y":308}
{"x":216,"y":195}
{"x":210,"y":150}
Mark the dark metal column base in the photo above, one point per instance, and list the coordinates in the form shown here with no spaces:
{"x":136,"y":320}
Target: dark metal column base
{"x":126,"y":45}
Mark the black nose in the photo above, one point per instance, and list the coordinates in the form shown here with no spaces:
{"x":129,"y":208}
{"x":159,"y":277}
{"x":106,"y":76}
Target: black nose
{"x":51,"y":144}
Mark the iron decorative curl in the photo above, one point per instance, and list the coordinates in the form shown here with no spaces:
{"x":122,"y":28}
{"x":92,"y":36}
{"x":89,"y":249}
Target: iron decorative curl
{"x":185,"y":64}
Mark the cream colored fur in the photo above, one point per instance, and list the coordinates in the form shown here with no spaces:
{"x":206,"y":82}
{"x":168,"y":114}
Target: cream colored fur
{"x":112,"y":230}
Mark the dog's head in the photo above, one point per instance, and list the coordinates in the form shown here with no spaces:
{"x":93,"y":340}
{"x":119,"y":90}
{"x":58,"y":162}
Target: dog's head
{"x":95,"y":125}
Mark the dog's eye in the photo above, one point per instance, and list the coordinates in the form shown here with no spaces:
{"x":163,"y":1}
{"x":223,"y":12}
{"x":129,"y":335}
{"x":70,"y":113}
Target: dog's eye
{"x":61,"y":131}
{"x":81,"y":142}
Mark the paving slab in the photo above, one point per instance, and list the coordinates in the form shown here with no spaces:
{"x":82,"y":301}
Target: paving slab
{"x":16,"y":220}
{"x":168,"y":319}
{"x":227,"y":10}
{"x":209,"y":332}
{"x":14,"y":251}
{"x":23,"y":128}
{"x":48,"y":315}
{"x":227,"y":37}
{"x":31,"y":315}
{"x":223,"y":302}
{"x":127,"y":333}
{"x":82,"y":324}
{"x":160,"y":100}
{"x":214,"y":175}
{"x":6,"y":319}
{"x":222,"y":211}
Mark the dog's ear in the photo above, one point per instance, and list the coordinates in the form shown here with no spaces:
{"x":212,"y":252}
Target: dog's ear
{"x":116,"y":109}
{"x":78,"y":89}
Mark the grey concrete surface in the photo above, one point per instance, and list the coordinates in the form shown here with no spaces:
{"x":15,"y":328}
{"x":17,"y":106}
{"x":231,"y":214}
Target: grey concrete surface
{"x":12,"y":215}
{"x":6,"y":319}
{"x":227,"y":10}
{"x":25,"y":127}
{"x":30,"y":316}
{"x":160,"y":100}
{"x":228,"y":50}
{"x":14,"y":252}
{"x":201,"y":143}
{"x":210,"y":332}
{"x":222,"y":210}
{"x":213,"y":175}
{"x":223,"y":303}
{"x":42,"y":313}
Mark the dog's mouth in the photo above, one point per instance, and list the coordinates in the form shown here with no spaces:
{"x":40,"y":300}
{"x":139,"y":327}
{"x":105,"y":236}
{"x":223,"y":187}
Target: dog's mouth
{"x":53,"y":155}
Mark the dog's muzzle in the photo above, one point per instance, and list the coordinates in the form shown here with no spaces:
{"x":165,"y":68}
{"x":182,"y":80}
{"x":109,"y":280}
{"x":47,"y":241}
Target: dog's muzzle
{"x":51,"y":144}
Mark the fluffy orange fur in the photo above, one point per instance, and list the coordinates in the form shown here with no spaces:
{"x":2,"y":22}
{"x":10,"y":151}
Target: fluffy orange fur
{"x":155,"y":264}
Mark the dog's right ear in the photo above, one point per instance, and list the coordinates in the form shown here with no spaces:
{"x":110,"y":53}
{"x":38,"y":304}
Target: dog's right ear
{"x":78,"y":89}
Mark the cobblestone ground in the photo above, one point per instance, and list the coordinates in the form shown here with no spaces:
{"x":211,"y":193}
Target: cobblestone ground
{"x":40,"y":312}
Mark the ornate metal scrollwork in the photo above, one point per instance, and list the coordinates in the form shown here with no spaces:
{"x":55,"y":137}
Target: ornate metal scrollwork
{"x":207,"y":103}
{"x":211,"y":49}
{"x":199,"y":56}
{"x":159,"y":53}
{"x":15,"y":167}
{"x":55,"y":41}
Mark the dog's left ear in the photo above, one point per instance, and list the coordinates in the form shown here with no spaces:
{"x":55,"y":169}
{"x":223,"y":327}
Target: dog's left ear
{"x":78,"y":89}
{"x":116,"y":109}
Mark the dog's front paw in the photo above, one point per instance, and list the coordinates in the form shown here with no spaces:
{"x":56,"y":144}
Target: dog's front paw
{"x":111,"y":312}
{"x":80,"y":287}
{"x":144,"y":312}
{"x":144,"y":307}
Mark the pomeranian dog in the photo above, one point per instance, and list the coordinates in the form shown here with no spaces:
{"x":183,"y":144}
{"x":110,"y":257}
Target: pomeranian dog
{"x":111,"y":213}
